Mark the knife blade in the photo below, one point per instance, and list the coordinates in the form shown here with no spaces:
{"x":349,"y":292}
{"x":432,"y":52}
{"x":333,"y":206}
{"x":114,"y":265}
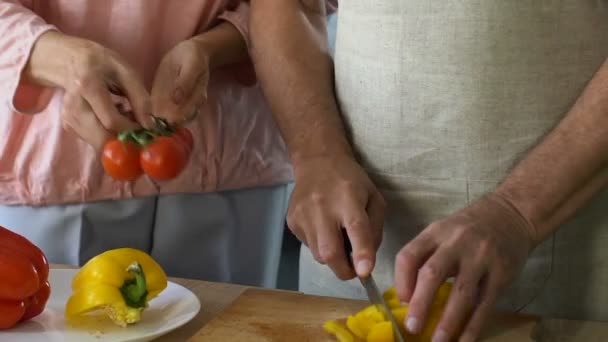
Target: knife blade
{"x":373,"y":293}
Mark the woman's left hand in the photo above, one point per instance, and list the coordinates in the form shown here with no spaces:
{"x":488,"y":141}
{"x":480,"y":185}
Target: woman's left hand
{"x":180,"y":84}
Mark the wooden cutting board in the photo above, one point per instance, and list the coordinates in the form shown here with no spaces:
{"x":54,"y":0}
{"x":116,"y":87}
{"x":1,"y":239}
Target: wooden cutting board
{"x":268,"y":316}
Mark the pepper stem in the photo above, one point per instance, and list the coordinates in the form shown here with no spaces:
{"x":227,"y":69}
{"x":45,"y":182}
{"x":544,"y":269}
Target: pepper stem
{"x":135,"y":291}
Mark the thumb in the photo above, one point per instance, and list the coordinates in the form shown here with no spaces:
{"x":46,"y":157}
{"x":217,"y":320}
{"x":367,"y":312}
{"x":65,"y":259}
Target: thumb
{"x":189,"y":75}
{"x":188,"y":105}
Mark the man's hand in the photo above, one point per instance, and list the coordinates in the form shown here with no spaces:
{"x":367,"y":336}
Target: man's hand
{"x":334,"y":193}
{"x":180,"y":85}
{"x":485,"y":246}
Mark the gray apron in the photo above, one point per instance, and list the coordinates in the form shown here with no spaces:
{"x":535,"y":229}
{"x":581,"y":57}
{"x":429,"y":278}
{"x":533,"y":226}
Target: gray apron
{"x":441,"y":98}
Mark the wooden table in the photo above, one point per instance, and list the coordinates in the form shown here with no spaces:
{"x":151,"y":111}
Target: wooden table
{"x":216,"y":297}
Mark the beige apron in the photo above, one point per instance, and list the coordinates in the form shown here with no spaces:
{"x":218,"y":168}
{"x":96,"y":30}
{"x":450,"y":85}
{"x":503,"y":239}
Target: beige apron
{"x":441,"y":98}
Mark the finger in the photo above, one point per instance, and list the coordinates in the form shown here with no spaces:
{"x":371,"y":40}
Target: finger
{"x":331,"y":247}
{"x":98,"y":97}
{"x":298,"y":233}
{"x":361,"y":235}
{"x":187,"y":82}
{"x":460,"y":303}
{"x":139,"y":98}
{"x":431,"y":275}
{"x":190,"y":111}
{"x":78,"y":117}
{"x":179,"y":89}
{"x":161,"y":90}
{"x":294,"y":222}
{"x":375,"y":210}
{"x":409,"y":260}
{"x":489,"y":292}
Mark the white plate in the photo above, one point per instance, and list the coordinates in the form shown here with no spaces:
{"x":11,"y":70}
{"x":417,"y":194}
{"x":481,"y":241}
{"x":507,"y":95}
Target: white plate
{"x":174,"y":307}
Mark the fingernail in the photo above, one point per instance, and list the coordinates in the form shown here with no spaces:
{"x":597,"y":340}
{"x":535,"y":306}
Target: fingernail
{"x":413,"y":325}
{"x":440,"y":336}
{"x":364,"y":267}
{"x":149,"y":121}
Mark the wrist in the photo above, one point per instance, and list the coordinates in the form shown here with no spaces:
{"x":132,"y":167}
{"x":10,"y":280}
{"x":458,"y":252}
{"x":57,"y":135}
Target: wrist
{"x":319,"y":147}
{"x":209,"y":50}
{"x":504,"y":200}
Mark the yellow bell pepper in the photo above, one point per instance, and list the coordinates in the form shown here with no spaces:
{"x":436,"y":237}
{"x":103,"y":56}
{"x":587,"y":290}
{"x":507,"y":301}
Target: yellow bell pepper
{"x":381,"y":332}
{"x":371,"y":325}
{"x":338,"y":330}
{"x":361,"y":323}
{"x":391,"y":299}
{"x":120,"y":282}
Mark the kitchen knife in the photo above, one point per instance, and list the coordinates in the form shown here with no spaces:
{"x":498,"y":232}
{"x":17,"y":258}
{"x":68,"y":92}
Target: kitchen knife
{"x":373,"y":293}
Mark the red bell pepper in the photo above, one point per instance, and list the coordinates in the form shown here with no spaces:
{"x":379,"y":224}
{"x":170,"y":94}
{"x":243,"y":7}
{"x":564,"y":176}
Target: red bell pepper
{"x":24,"y":285}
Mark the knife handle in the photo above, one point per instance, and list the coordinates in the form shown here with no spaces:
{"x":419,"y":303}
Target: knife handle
{"x":348,"y":248}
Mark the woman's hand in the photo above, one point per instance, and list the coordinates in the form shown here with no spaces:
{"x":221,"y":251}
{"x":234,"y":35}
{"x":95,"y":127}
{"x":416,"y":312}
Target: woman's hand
{"x":180,"y":85}
{"x":89,"y":73}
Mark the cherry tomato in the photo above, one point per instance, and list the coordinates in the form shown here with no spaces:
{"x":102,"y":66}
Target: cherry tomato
{"x":10,"y":312}
{"x":185,"y":136}
{"x":164,"y":158}
{"x":121,"y":160}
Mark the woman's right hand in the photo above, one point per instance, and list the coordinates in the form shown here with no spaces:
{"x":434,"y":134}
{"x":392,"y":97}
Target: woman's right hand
{"x":89,"y":73}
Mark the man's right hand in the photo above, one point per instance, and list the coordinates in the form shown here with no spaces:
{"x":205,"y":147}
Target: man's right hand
{"x":332,"y":193}
{"x":90,"y":74}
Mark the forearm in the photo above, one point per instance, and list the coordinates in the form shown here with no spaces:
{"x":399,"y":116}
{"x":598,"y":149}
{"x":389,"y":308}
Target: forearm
{"x":295,"y":69}
{"x":224,"y":45}
{"x":568,"y":167}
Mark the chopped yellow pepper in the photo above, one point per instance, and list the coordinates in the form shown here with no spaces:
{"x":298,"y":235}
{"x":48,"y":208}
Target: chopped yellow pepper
{"x":371,"y":325}
{"x":391,"y":299}
{"x":338,"y":330}
{"x":361,"y":323}
{"x":120,"y":281}
{"x":381,"y":332}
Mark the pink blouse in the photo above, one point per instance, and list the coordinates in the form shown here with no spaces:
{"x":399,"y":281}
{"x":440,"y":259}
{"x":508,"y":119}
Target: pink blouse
{"x":237,"y":144}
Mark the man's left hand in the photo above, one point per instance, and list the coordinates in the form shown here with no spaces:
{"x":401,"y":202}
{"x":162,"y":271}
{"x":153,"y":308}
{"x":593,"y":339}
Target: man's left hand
{"x":484,"y":246}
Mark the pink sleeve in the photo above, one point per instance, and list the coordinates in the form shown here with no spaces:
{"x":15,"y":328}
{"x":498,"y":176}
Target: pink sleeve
{"x":238,"y":15}
{"x":19,"y":30}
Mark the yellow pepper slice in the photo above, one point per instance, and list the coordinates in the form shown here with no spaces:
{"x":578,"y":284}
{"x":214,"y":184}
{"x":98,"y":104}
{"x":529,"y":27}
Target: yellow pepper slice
{"x":362,"y":322}
{"x":370,"y":323}
{"x":381,"y":332}
{"x":356,"y":326}
{"x":338,"y":330}
{"x":389,"y":294}
{"x":372,"y":311}
{"x":120,"y":281}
